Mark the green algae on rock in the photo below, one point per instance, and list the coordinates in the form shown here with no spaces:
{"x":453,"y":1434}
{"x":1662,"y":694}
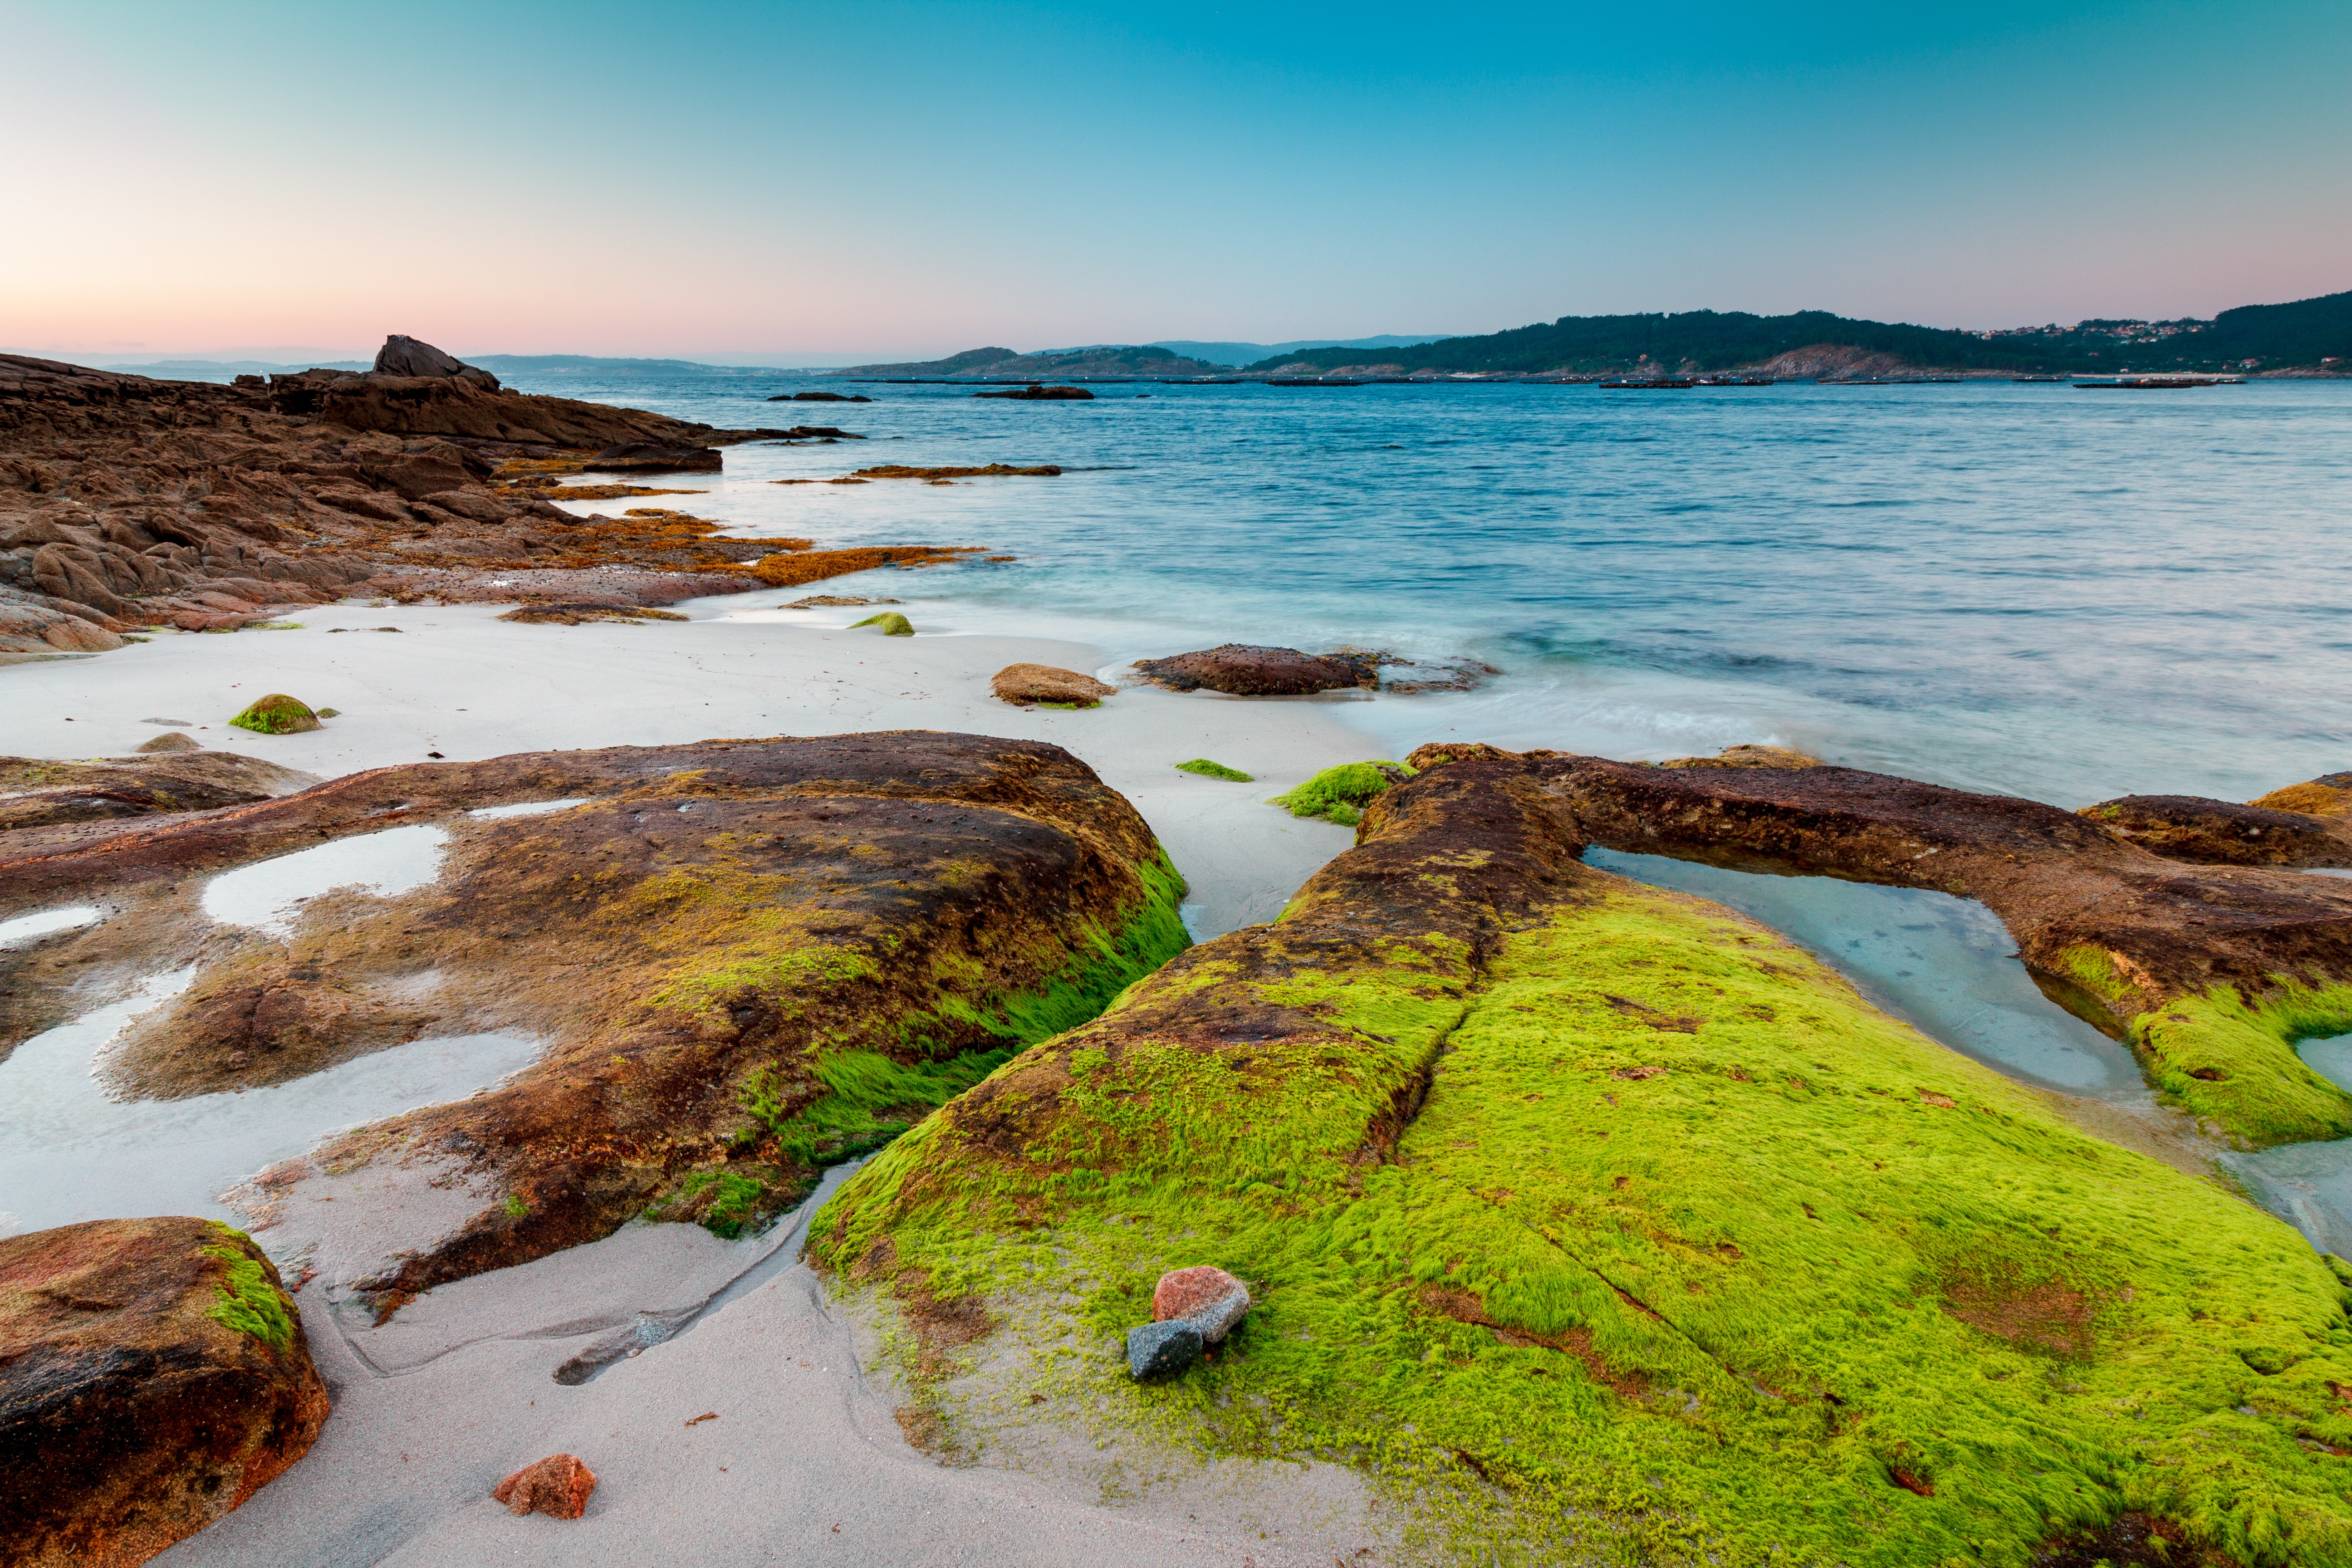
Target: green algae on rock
{"x":1598,"y":1222}
{"x":1209,"y":770}
{"x":152,"y":1377}
{"x":1340,"y":794}
{"x":275,"y":715}
{"x":892,"y":622}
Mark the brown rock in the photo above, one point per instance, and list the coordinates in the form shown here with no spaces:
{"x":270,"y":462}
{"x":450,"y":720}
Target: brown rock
{"x":36,"y":792}
{"x":1749,"y":757}
{"x":1025,"y":684}
{"x":1205,"y":1295}
{"x":648,"y":458}
{"x":73,"y":634}
{"x":2222,"y":832}
{"x":153,"y":1376}
{"x":169,"y":740}
{"x":1241,"y":669}
{"x":403,"y":356}
{"x":558,"y":1486}
{"x":1042,"y":395}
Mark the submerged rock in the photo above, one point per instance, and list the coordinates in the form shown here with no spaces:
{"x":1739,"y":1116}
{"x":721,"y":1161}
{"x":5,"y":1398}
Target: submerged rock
{"x":1042,"y":395}
{"x":1548,"y":1178}
{"x":820,"y":397}
{"x":1241,"y":669}
{"x":153,"y":1376}
{"x":558,"y":1486}
{"x":275,"y":715}
{"x":1026,"y":684}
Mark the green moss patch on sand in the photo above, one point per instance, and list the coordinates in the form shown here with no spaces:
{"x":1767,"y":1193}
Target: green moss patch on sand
{"x":1340,"y":794}
{"x":892,"y":622}
{"x":1637,"y":1237}
{"x":2233,"y":1061}
{"x":1209,"y":770}
{"x":247,"y":1298}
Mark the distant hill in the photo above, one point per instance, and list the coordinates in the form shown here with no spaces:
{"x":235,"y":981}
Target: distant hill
{"x":588,"y":365}
{"x":1102,"y":359}
{"x":2275,"y":337}
{"x":1250,"y":354}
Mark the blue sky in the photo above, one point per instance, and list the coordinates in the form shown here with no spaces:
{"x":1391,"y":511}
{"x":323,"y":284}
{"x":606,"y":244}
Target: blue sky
{"x":747,"y":181}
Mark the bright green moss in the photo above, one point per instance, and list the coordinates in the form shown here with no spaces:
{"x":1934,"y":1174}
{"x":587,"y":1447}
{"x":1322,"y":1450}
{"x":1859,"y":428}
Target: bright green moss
{"x":2236,"y":1062}
{"x":892,"y":622}
{"x":1209,"y":770}
{"x":1339,"y":795}
{"x":275,"y":715}
{"x":246,"y":1299}
{"x":1688,"y":1252}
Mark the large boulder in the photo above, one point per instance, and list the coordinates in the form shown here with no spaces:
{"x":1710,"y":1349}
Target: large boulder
{"x":153,"y":1376}
{"x":1025,"y":685}
{"x":1243,"y":670}
{"x":402,"y":355}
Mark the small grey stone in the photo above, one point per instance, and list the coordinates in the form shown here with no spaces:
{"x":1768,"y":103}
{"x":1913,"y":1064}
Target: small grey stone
{"x":1216,"y":1319}
{"x":1153,"y":1347}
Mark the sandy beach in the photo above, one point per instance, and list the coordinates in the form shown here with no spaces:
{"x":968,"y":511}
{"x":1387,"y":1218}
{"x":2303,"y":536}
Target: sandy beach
{"x":804,"y":1456}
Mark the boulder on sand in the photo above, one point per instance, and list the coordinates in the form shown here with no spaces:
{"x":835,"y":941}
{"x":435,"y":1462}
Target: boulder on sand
{"x":276,"y":714}
{"x":558,"y":1487}
{"x":170,"y":740}
{"x":153,"y":1376}
{"x":1241,"y":669}
{"x":1025,"y":685}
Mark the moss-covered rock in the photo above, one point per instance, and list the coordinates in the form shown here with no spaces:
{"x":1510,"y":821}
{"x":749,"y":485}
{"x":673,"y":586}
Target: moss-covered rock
{"x":275,"y":715}
{"x":1339,"y":795}
{"x":1604,"y":1224}
{"x":153,"y":1376}
{"x":892,"y":622}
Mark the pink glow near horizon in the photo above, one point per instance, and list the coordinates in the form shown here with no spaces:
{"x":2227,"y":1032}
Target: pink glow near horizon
{"x":163,"y":218}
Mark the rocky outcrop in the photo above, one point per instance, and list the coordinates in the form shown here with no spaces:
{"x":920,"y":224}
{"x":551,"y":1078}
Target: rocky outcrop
{"x":650,"y":458}
{"x":402,"y":355}
{"x":2303,"y":824}
{"x":1025,"y":685}
{"x":746,"y":958}
{"x":36,"y":792}
{"x":153,"y":1376}
{"x":1241,"y":669}
{"x":1749,"y":757}
{"x":1550,"y":1186}
{"x":126,"y":502}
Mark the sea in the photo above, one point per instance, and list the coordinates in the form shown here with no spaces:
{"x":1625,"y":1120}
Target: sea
{"x":2025,"y":588}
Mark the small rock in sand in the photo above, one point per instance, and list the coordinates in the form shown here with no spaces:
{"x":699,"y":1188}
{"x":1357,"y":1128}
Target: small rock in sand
{"x":1206,"y":1297}
{"x":276,"y":714}
{"x":828,"y":601}
{"x":1025,"y":684}
{"x":170,"y":742}
{"x":558,"y":1486}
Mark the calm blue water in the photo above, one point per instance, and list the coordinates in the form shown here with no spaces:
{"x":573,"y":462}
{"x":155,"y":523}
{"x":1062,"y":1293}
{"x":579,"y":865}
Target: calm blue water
{"x":2026,"y":588}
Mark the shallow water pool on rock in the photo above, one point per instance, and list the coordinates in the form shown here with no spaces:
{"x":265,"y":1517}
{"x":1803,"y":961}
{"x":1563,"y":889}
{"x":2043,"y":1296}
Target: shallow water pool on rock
{"x":267,"y":894}
{"x":68,"y":1153}
{"x":2308,"y":1185}
{"x":1945,"y":965}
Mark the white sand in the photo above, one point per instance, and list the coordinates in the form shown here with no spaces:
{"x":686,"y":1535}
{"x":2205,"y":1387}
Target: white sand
{"x":457,"y":682}
{"x":806,"y":1461}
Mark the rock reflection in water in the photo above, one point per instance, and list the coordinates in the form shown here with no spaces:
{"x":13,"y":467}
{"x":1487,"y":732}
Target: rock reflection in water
{"x":1945,"y":965}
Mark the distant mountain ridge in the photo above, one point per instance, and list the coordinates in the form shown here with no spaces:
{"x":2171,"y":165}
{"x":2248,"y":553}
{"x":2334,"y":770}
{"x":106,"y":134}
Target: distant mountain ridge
{"x":1000,"y":364}
{"x":2305,"y":335}
{"x":1238,"y":354}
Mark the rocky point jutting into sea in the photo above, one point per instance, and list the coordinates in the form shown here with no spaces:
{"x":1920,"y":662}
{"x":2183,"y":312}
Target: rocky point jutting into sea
{"x":884,"y":1134}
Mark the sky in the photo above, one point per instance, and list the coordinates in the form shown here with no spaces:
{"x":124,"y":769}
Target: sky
{"x":788,"y":183}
